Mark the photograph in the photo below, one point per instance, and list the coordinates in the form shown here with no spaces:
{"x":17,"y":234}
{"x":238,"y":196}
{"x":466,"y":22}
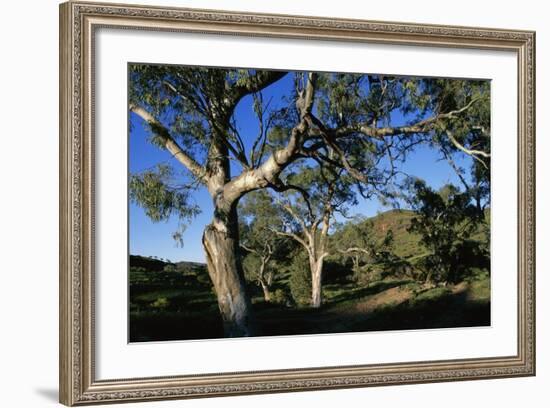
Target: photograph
{"x":279,"y":203}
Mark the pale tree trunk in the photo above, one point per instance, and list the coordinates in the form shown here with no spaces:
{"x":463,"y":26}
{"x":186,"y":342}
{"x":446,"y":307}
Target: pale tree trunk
{"x":355,"y":260}
{"x":267,"y":292}
{"x":317,"y":256}
{"x":264,"y":281}
{"x":316,"y":267}
{"x":221,"y":244}
{"x":314,"y":242}
{"x":220,"y":241}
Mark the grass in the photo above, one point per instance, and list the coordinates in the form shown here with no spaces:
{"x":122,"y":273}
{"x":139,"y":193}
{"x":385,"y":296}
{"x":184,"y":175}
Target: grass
{"x":178,"y":303}
{"x":190,"y":310}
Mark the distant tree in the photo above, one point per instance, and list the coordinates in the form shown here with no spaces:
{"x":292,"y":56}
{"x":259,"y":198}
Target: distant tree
{"x":259,"y":217}
{"x":319,"y":192}
{"x":446,"y":222}
{"x":357,"y":241}
{"x":300,"y":278}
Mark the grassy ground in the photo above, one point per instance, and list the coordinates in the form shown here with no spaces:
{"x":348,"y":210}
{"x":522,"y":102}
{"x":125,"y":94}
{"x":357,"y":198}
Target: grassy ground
{"x":181,"y":305}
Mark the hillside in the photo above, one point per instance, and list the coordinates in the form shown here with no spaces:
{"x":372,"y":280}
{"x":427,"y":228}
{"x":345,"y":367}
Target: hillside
{"x":148,"y":263}
{"x":406,"y":244}
{"x":155,"y":264}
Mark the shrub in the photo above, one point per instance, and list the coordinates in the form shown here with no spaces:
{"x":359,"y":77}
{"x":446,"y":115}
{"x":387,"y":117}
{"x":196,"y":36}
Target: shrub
{"x":367,"y":274}
{"x":300,"y":279}
{"x":161,"y":303}
{"x":169,"y":268}
{"x":280,"y":297}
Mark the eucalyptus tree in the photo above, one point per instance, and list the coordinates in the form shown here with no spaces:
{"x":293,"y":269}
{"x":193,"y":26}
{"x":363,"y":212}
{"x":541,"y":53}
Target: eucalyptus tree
{"x":259,"y":217}
{"x":190,"y":112}
{"x":447,"y":220}
{"x":357,"y":242}
{"x":308,"y":210}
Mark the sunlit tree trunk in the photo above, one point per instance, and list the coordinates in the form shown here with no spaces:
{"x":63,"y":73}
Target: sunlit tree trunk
{"x":264,"y":280}
{"x":221,"y":245}
{"x":221,"y":242}
{"x":316,"y":267}
{"x":265,"y":289}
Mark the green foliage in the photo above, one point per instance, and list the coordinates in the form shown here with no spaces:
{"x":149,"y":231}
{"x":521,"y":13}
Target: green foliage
{"x":251,"y":265}
{"x":300,"y":279}
{"x":155,"y":190}
{"x":161,"y":303}
{"x":280,"y":297}
{"x":447,"y":220}
{"x":260,"y":219}
{"x":169,"y":267}
{"x":370,"y":253}
{"x":328,"y":189}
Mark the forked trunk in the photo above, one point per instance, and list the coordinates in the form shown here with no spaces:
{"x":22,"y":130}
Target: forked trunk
{"x":220,"y":241}
{"x":316,"y":266}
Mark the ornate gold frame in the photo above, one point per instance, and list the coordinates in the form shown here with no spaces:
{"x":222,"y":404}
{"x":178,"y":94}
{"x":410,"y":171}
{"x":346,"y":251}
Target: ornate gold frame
{"x":77,"y":24}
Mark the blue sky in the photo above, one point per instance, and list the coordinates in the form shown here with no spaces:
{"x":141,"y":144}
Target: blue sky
{"x":155,"y":239}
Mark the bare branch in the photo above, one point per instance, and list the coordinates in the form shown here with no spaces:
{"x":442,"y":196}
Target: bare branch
{"x":269,"y":171}
{"x":456,"y":169}
{"x":170,"y":144}
{"x":246,"y":248}
{"x":353,"y":250}
{"x":280,"y":187}
{"x":329,"y":139}
{"x":457,"y":144}
{"x":288,"y":208}
{"x":255,"y":83}
{"x":292,"y":235}
{"x":422,"y":126}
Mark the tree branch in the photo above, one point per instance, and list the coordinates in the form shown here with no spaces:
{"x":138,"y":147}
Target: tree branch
{"x":354,"y":249}
{"x":288,"y":208}
{"x":293,"y":236}
{"x":422,"y":126}
{"x":255,"y":83}
{"x":280,"y":187}
{"x":269,"y":171}
{"x":170,"y":144}
{"x":456,"y":169}
{"x":459,"y":146}
{"x":329,"y":139}
{"x":246,"y":248}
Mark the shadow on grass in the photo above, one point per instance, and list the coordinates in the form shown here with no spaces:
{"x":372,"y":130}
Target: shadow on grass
{"x":359,"y":293}
{"x":159,"y":326}
{"x":343,"y":313}
{"x":450,"y":311}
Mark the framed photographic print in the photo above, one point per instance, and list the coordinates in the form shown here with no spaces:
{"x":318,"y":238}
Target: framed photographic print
{"x":262,"y":203}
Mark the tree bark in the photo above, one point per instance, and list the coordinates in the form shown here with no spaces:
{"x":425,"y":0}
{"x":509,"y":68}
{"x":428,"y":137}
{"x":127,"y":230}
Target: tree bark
{"x":262,"y":278}
{"x":221,"y":242}
{"x":317,"y":257}
{"x":267,"y":292}
{"x":316,"y":266}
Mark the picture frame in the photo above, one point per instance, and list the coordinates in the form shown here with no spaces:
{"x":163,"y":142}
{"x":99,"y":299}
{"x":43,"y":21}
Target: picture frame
{"x":79,"y":24}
